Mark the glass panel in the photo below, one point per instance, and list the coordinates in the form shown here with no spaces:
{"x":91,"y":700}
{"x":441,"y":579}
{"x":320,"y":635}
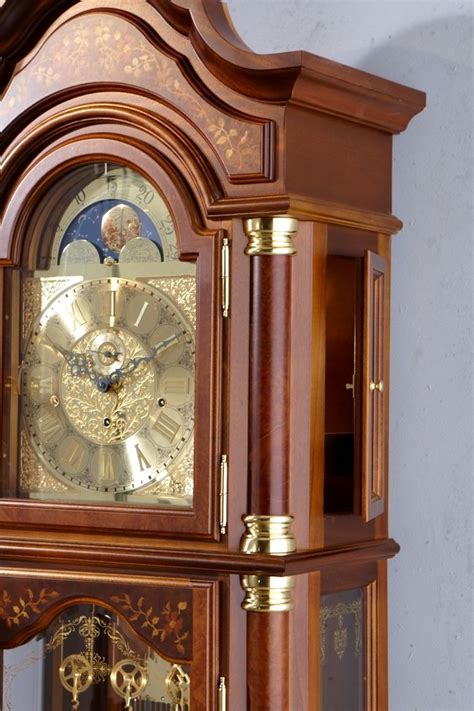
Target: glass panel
{"x":342,"y":646}
{"x":106,"y":348}
{"x":88,"y":660}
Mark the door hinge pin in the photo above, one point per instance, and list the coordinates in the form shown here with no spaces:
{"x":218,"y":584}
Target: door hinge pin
{"x":225,"y":277}
{"x":222,"y":694}
{"x":223,"y":493}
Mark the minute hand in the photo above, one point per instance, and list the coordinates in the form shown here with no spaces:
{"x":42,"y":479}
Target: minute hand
{"x":133,"y":363}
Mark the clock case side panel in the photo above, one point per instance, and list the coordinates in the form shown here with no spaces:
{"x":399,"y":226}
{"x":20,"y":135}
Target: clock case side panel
{"x":195,"y":242}
{"x":370,"y":580}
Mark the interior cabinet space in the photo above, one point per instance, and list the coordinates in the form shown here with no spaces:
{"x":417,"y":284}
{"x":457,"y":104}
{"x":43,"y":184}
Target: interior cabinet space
{"x":342,"y":420}
{"x":355,"y":421}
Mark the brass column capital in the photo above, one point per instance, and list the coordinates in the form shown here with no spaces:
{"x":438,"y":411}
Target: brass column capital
{"x":268,"y":534}
{"x":270,"y":235}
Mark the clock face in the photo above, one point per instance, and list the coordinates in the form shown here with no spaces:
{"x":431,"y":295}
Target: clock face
{"x":108,"y":385}
{"x":107,"y":369}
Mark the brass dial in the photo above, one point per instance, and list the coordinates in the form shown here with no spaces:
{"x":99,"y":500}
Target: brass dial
{"x":108,"y":385}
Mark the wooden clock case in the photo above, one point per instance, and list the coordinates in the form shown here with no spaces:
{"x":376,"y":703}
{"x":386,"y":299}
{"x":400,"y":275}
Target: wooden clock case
{"x":287,"y":157}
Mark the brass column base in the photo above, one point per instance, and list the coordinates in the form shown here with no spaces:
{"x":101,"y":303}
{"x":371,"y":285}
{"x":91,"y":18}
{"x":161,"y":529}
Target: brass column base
{"x":268,"y":593}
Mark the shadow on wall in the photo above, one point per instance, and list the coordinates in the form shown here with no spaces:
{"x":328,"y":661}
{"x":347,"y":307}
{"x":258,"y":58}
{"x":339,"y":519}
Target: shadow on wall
{"x":438,"y":59}
{"x":431,"y":378}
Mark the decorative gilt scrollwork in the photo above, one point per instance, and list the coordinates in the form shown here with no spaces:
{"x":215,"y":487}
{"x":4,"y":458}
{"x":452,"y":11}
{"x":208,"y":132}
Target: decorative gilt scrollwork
{"x":340,"y":636}
{"x":87,"y":407}
{"x":182,"y":289}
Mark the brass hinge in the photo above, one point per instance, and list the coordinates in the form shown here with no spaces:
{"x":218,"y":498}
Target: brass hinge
{"x":222,"y":694}
{"x":223,"y":494}
{"x":225,"y":277}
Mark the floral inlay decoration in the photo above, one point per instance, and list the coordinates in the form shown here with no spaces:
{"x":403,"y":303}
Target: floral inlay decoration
{"x":167,"y":625}
{"x":14,"y":612}
{"x":106,"y":48}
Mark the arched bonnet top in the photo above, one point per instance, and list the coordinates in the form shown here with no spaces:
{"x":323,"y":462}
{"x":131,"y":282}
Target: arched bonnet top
{"x":272,"y":129}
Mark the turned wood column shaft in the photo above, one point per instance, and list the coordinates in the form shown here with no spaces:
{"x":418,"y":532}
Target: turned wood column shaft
{"x":269,"y":385}
{"x":268,"y":599}
{"x":268,"y":680}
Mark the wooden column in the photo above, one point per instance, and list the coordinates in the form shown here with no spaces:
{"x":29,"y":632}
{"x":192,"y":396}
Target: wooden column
{"x":269,"y":420}
{"x":268,"y":599}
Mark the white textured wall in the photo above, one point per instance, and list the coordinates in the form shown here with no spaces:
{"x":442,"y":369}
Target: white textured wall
{"x":426,"y":45}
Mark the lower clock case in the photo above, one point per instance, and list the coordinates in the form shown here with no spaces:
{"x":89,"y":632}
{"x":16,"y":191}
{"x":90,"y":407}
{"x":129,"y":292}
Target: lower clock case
{"x":134,"y":645}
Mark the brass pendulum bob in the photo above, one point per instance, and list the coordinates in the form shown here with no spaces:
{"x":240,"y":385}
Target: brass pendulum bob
{"x":129,"y":679}
{"x":76,"y":676}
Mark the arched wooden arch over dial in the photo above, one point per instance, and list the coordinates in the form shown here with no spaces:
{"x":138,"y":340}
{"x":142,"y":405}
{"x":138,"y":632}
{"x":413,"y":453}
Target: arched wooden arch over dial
{"x":25,"y":219}
{"x":118,"y":131}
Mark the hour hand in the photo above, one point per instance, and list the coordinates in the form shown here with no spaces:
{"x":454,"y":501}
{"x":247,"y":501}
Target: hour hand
{"x":79,"y":362}
{"x":75,"y":359}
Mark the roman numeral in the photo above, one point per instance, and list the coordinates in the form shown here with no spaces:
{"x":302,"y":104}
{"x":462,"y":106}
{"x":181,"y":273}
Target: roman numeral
{"x":143,"y":462}
{"x":73,"y":455}
{"x":136,"y":323}
{"x":77,"y":314}
{"x":106,"y":465}
{"x":49,"y":425}
{"x":42,"y":386}
{"x":167,"y":427}
{"x":176,"y":386}
{"x":107,"y":304}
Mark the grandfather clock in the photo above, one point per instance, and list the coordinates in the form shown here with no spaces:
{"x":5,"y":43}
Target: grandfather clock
{"x":195,"y":298}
